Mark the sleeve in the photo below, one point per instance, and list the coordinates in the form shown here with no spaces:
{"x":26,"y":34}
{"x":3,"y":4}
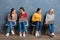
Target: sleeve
{"x":46,"y":19}
{"x":26,"y":16}
{"x":19,"y":16}
{"x":16,"y":16}
{"x":33,"y":17}
{"x":9,"y":17}
{"x":40,"y":17}
{"x":53,"y":16}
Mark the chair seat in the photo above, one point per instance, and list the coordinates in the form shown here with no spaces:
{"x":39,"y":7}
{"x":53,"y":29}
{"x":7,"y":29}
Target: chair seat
{"x":33,"y":25}
{"x":7,"y":25}
{"x":33,"y":28}
{"x":26,"y":24}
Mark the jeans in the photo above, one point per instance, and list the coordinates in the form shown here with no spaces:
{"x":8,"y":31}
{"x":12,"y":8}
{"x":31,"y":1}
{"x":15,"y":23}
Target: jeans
{"x":51,"y":28}
{"x":10,"y":25}
{"x":37,"y":26}
{"x":22,"y":27}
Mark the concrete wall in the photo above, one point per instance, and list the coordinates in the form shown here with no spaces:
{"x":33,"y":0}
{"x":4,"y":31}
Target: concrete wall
{"x":30,"y":6}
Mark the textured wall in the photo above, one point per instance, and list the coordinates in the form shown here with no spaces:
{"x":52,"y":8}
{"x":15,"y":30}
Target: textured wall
{"x":30,"y":6}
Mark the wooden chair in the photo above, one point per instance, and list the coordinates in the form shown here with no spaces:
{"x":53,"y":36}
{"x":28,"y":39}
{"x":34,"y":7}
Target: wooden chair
{"x":33,"y":30}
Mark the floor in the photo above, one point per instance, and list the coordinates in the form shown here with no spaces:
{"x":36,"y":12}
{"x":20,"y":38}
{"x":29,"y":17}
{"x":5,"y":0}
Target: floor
{"x":29,"y":37}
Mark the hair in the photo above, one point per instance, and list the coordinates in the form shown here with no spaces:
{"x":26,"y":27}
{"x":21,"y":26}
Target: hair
{"x":38,"y":9}
{"x":11,"y":12}
{"x":22,"y":8}
{"x":51,"y":9}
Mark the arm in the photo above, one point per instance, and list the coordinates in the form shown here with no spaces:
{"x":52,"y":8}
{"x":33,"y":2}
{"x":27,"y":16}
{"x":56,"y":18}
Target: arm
{"x":26,"y":16}
{"x":16,"y":17}
{"x":33,"y":17}
{"x":46,"y":19}
{"x":9,"y":19}
{"x":40,"y":17}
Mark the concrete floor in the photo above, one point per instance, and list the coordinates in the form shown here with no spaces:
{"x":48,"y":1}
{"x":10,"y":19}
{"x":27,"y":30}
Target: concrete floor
{"x":29,"y":37}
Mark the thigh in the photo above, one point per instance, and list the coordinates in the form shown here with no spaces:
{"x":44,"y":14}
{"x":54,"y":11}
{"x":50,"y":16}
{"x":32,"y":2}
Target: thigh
{"x":20,"y":24}
{"x":10,"y":23}
{"x":23,"y":24}
{"x":49,"y":26}
{"x":13,"y":23}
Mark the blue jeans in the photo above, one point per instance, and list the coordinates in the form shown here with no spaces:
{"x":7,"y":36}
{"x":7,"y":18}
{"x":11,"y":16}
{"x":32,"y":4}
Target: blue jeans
{"x":22,"y":27}
{"x":51,"y":28}
{"x":10,"y":25}
{"x":37,"y":26}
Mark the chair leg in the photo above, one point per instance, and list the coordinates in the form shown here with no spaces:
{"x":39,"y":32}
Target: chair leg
{"x":33,"y":31}
{"x":26,"y":30}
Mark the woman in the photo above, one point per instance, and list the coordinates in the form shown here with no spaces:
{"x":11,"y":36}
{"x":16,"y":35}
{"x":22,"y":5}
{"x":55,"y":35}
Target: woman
{"x":22,"y":22}
{"x":36,"y":19}
{"x":12,"y":17}
{"x":50,"y":21}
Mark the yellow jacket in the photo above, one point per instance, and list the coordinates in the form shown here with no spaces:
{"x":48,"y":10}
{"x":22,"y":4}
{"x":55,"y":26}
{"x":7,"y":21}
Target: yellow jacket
{"x":36,"y":17}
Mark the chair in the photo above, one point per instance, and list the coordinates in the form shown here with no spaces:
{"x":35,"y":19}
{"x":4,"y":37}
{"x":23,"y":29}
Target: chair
{"x":33,"y":30}
{"x":26,"y":27}
{"x":12,"y":27}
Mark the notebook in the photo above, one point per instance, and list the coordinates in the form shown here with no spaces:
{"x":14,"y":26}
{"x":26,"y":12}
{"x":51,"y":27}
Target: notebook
{"x":50,"y":22}
{"x":22,"y":19}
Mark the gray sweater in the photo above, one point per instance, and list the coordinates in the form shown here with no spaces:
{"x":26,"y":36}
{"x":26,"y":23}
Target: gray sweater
{"x":49,"y":18}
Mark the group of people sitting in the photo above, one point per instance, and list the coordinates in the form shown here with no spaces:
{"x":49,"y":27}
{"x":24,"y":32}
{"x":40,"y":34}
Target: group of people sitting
{"x":23,"y":20}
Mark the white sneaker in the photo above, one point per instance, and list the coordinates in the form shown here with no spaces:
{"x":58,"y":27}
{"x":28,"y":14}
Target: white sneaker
{"x":20,"y":35}
{"x":36,"y":34}
{"x":12,"y":32}
{"x":24,"y":35}
{"x":52,"y":34}
{"x":7,"y":34}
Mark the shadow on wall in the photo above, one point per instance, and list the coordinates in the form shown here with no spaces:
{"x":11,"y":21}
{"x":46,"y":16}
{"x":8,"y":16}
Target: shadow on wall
{"x":44,"y":26}
{"x":4,"y":28}
{"x":30,"y":28}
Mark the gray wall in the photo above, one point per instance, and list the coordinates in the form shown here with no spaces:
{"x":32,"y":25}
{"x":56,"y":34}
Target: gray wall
{"x":30,"y":6}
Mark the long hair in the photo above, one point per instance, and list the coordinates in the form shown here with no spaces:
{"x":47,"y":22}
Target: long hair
{"x":11,"y":12}
{"x":38,"y":9}
{"x":51,"y":10}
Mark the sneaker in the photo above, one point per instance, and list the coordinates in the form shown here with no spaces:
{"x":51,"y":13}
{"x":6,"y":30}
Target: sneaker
{"x":36,"y":34}
{"x":24,"y":35}
{"x":20,"y":35}
{"x":12,"y":32}
{"x":7,"y":34}
{"x":52,"y":34}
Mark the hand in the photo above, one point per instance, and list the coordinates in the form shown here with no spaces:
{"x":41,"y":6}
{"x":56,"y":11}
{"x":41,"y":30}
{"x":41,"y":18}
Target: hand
{"x":45,"y":23}
{"x":26,"y":20}
{"x":21,"y":16}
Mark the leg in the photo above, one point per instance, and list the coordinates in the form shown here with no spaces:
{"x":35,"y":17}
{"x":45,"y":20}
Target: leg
{"x":40,"y":27}
{"x":12,"y":31}
{"x":20,"y":29}
{"x":37,"y":26}
{"x":9,"y":28}
{"x":24,"y":29}
{"x":49,"y":27}
{"x":52,"y":29}
{"x":37,"y":29}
